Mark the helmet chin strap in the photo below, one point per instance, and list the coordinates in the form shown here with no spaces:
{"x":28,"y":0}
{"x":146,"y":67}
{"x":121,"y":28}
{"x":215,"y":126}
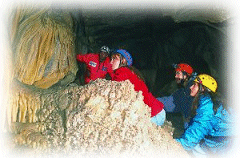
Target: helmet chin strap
{"x":201,"y":89}
{"x":200,"y":84}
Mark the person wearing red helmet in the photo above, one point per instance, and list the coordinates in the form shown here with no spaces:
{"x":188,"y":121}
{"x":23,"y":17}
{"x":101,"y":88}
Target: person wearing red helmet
{"x":121,"y":62}
{"x":98,"y":65}
{"x":183,"y":72}
{"x":180,"y":100}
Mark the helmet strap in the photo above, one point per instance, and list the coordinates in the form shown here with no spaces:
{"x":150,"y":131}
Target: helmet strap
{"x":184,"y":73}
{"x":200,"y":88}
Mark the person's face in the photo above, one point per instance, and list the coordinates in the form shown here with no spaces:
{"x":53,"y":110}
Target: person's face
{"x":179,"y":77}
{"x":103,"y":55}
{"x":194,"y":89}
{"x":115,"y":61}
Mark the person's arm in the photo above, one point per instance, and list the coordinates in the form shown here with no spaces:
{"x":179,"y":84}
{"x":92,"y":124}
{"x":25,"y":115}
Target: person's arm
{"x":155,"y":105}
{"x":200,"y":127}
{"x":82,"y":57}
{"x":120,"y":75}
{"x":110,"y":70}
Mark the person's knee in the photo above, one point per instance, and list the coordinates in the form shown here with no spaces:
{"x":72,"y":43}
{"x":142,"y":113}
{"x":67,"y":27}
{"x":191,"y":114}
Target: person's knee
{"x":169,"y":106}
{"x":159,"y":118}
{"x":161,"y":99}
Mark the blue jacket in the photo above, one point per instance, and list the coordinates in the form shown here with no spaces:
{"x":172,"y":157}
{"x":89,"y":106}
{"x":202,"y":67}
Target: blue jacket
{"x":207,"y":129}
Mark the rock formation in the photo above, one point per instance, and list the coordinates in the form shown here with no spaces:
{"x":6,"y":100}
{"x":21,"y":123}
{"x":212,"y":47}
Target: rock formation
{"x":43,"y":46}
{"x":48,"y":113}
{"x":103,"y":117}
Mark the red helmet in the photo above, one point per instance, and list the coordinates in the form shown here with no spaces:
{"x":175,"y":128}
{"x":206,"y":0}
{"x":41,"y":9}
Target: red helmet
{"x":184,"y":67}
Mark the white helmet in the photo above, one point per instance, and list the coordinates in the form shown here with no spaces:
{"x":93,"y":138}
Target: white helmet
{"x":105,"y":49}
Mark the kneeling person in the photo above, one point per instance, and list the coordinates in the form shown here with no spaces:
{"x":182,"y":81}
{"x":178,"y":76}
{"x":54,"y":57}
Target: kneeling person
{"x":122,"y":66}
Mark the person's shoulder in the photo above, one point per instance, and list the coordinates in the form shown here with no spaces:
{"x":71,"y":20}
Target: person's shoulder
{"x":93,"y":54}
{"x":122,"y":70}
{"x":205,"y":96}
{"x":87,"y":54}
{"x":205,"y":99}
{"x":108,"y":59}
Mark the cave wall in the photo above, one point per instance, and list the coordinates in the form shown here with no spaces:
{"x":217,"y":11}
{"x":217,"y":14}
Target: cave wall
{"x":42,"y":43}
{"x":155,"y":42}
{"x":41,"y":97}
{"x":49,"y":113}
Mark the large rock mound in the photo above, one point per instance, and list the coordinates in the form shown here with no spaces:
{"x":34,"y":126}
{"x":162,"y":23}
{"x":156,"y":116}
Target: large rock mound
{"x":103,"y":117}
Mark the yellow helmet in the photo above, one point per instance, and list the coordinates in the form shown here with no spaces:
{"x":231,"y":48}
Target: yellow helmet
{"x":208,"y":81}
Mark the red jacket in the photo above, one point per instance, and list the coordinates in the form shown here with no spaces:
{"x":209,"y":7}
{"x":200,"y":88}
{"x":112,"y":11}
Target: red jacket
{"x":94,"y":67}
{"x":124,"y":73}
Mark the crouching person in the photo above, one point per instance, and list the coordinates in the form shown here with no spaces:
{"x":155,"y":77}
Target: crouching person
{"x":121,"y":62}
{"x":180,"y":100}
{"x":98,"y":64}
{"x":209,"y":131}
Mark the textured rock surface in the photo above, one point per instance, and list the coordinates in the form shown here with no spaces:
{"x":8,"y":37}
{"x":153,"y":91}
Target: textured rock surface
{"x":43,"y":46}
{"x":103,"y":117}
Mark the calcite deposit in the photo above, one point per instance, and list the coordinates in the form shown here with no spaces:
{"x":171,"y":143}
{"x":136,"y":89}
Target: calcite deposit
{"x":50,"y":114}
{"x":104,"y":117}
{"x":43,"y":46}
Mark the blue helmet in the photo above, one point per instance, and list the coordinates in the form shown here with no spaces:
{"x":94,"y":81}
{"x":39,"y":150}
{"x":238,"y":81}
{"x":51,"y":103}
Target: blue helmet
{"x":126,"y":55}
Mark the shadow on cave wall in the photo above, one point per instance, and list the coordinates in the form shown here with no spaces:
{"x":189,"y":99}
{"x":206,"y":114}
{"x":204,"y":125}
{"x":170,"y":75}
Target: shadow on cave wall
{"x":155,"y":42}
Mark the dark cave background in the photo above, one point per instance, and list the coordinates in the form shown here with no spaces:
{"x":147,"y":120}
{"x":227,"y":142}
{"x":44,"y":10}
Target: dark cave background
{"x":155,"y":42}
